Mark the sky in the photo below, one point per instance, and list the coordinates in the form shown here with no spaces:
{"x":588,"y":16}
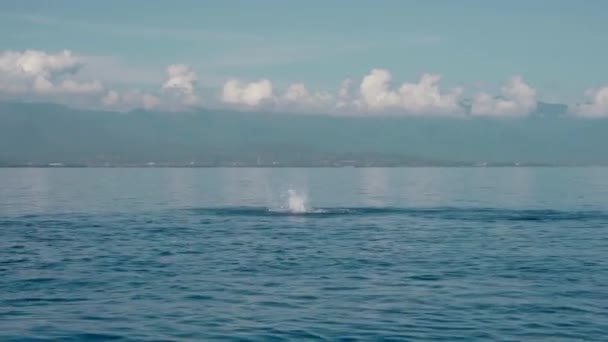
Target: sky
{"x":400,"y":56}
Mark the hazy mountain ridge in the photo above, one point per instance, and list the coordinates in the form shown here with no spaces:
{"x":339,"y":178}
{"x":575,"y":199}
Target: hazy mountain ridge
{"x":40,"y":133}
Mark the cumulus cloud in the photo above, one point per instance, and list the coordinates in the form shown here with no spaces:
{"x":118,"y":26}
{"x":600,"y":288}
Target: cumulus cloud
{"x":345,"y":89}
{"x":374,"y":95}
{"x":111,"y":98}
{"x":251,"y":94}
{"x":181,"y":79}
{"x":39,"y":72}
{"x":130,"y":99}
{"x":423,"y":97}
{"x":298,"y":95}
{"x":517,"y":99}
{"x":178,"y":89}
{"x":60,"y":76}
{"x":375,"y":91}
{"x":597,"y":106}
{"x":344,"y":99}
{"x":32,"y":63}
{"x":296,"y":92}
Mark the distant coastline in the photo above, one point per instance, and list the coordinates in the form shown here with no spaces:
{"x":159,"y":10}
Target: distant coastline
{"x":295,"y":165}
{"x":51,"y":135}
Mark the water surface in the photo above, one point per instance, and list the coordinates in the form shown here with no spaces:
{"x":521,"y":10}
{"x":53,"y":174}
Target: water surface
{"x":403,"y":254}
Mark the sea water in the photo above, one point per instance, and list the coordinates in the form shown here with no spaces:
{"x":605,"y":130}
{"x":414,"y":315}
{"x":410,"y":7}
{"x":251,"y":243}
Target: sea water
{"x":314,"y":254}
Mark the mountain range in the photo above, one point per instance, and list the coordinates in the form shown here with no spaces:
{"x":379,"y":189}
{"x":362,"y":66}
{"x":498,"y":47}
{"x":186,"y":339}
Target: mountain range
{"x":51,"y":134}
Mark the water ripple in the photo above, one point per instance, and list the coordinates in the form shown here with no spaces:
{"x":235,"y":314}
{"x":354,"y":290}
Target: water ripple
{"x":357,"y":273}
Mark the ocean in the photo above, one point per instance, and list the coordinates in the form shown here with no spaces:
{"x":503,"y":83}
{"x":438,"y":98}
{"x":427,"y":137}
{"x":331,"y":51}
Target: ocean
{"x":254,"y":254}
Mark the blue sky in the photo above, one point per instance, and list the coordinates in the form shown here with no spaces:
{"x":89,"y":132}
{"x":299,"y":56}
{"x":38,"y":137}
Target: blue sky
{"x":559,"y":47}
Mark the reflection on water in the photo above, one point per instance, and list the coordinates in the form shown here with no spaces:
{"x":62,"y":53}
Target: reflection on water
{"x":519,"y":183}
{"x":180,"y":187}
{"x":170,"y":254}
{"x":421,"y":187}
{"x":33,"y":188}
{"x":375,"y":182}
{"x":116,"y":190}
{"x":245,"y":186}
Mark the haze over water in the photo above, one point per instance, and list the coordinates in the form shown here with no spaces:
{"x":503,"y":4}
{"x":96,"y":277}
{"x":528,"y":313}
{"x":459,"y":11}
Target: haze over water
{"x":402,"y":254}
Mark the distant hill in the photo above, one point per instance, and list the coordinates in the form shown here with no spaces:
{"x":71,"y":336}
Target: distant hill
{"x":40,"y":133}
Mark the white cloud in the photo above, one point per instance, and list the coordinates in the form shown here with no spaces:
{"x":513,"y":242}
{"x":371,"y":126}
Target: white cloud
{"x":178,"y":89}
{"x":44,"y":86}
{"x":345,"y":89}
{"x":296,"y":92}
{"x":423,"y":97}
{"x":298,"y":96}
{"x":32,"y":63}
{"x":344,"y":99}
{"x":130,"y":99}
{"x":517,"y":99}
{"x":39,"y":72}
{"x":248,"y":94}
{"x":375,"y":91}
{"x":111,"y":98}
{"x":597,"y":106}
{"x":62,"y":76}
{"x":182,"y":80}
{"x":374,"y":95}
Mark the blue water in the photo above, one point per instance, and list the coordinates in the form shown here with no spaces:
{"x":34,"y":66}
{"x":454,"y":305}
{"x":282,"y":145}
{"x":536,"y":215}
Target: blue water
{"x":381,"y":254}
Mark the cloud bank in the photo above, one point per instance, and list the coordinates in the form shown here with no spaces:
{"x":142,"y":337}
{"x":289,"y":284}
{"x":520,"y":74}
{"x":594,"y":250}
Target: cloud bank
{"x":422,"y":97}
{"x":299,"y":97}
{"x":597,"y":104}
{"x":130,"y":99}
{"x":35,"y":74}
{"x":181,"y":80}
{"x":250,"y":94}
{"x":38,"y":72}
{"x":516,"y":99}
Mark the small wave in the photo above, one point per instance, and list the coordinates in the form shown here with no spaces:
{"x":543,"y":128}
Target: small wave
{"x":264,"y":211}
{"x":447,"y":213}
{"x":438,"y":213}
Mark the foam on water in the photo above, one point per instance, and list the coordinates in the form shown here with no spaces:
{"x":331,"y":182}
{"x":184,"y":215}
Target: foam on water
{"x":294,"y":203}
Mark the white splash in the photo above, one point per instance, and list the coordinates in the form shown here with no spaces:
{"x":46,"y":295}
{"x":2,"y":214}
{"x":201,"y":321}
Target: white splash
{"x":296,"y":203}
